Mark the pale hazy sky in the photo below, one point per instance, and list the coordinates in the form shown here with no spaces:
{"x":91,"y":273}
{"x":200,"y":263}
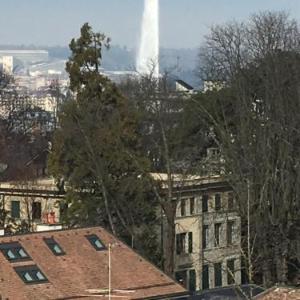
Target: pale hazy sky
{"x":183,"y":22}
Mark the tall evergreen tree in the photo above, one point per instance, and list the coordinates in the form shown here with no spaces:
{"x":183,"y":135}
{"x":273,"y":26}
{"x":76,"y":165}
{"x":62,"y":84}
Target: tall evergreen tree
{"x":96,"y":147}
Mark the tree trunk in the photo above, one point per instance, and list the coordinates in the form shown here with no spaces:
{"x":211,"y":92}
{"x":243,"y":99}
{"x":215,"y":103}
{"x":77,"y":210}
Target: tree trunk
{"x":266,"y":265}
{"x":267,"y":276}
{"x":108,"y":212}
{"x":3,"y":213}
{"x":281,"y":263}
{"x":169,"y":247}
{"x":266,"y":254}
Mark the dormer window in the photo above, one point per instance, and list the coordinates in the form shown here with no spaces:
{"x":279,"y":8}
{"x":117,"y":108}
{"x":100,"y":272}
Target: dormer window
{"x":95,"y":242}
{"x":14,"y":251}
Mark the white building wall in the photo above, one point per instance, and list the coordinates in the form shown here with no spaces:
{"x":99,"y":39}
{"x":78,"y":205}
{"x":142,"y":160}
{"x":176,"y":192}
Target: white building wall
{"x":212,"y":254}
{"x":7,"y":64}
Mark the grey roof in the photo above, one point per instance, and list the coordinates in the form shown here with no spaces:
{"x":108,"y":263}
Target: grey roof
{"x":227,"y":293}
{"x":184,"y":84}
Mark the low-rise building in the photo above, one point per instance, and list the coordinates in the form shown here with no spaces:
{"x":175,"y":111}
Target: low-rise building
{"x":208,"y":232}
{"x":30,"y":202}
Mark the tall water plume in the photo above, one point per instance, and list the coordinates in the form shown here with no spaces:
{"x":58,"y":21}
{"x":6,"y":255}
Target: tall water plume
{"x":148,"y":55}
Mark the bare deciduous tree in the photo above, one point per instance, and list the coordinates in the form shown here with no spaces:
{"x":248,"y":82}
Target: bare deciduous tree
{"x":256,"y":120}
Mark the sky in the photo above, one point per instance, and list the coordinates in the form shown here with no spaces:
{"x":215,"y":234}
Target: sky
{"x":183,"y":23}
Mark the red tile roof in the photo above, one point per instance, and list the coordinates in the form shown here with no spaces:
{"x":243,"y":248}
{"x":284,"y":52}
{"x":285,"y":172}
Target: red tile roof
{"x":82,"y":268}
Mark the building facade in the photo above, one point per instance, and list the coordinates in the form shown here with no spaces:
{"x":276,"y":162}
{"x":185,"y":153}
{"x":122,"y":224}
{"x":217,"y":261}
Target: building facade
{"x":7,"y":64}
{"x":30,"y":202}
{"x":208,"y":233}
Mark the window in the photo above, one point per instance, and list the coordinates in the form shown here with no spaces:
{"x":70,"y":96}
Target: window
{"x":181,"y":277}
{"x":182,"y":207}
{"x":15,"y":209}
{"x":204,"y":203}
{"x":192,"y":206}
{"x":230,"y":271}
{"x":217,"y":202}
{"x":217,"y":234}
{"x":36,"y":210}
{"x":54,"y":246}
{"x":31,"y":274}
{"x":14,"y":251}
{"x":230,"y":200}
{"x":192,"y":280}
{"x":190,"y":242}
{"x":218,"y":274}
{"x":230,"y":226}
{"x":63,"y":208}
{"x":205,"y":236}
{"x":96,"y":242}
{"x":180,"y":243}
{"x":205,"y":277}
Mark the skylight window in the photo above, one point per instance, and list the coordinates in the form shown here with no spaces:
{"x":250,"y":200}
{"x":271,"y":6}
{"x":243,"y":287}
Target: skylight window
{"x":31,"y":274}
{"x":54,"y":246}
{"x":57,"y":249}
{"x":95,"y":242}
{"x":40,"y":276}
{"x":22,"y":253}
{"x":14,"y":251}
{"x":10,"y":254}
{"x":27,"y":277}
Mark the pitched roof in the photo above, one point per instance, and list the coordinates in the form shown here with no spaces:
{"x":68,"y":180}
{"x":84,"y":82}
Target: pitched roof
{"x":82,"y":268}
{"x":280,"y":293}
{"x":184,"y":84}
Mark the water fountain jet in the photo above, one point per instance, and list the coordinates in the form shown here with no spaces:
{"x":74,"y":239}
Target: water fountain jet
{"x":148,"y":55}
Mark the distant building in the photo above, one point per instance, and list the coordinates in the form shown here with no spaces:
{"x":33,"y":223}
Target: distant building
{"x":78,"y":263}
{"x":182,"y":86}
{"x":210,"y":86}
{"x":208,"y":232}
{"x":7,"y":64}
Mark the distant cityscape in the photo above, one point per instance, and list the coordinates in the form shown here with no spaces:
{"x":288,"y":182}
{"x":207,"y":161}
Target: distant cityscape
{"x":42,"y":64}
{"x":35,"y":70}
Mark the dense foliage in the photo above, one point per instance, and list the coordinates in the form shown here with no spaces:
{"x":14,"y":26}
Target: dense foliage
{"x":97,"y":150}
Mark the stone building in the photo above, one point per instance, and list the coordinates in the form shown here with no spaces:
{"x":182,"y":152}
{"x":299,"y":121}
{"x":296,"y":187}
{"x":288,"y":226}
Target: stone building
{"x":208,"y":232}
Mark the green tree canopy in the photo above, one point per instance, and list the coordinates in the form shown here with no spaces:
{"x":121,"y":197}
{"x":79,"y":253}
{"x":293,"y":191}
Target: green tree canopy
{"x":97,"y":149}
